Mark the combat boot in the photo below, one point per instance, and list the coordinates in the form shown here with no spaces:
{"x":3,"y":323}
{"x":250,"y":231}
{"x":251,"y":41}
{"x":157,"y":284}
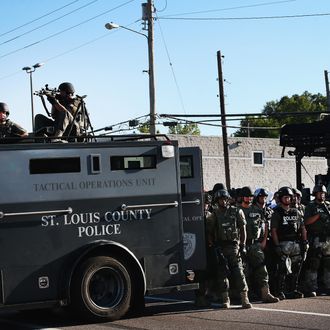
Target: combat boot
{"x":295,"y":295}
{"x":245,"y":300}
{"x":225,"y":300}
{"x":309,"y":294}
{"x":58,"y":134}
{"x":267,"y":297}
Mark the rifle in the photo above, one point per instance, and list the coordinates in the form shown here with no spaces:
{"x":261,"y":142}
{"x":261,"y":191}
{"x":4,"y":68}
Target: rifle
{"x":49,"y":92}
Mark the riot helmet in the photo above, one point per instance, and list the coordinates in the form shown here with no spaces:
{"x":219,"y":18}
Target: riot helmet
{"x":222,"y":193}
{"x":319,"y":188}
{"x":261,"y":192}
{"x":285,"y":191}
{"x":296,"y":192}
{"x":218,"y":186}
{"x":4,"y":108}
{"x":246,"y":192}
{"x":66,"y":87}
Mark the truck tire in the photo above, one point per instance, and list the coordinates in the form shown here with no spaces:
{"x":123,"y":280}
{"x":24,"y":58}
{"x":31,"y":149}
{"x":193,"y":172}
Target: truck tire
{"x":101,"y":289}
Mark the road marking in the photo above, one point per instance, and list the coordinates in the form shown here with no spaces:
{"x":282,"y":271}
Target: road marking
{"x":238,"y":306}
{"x":289,"y":311}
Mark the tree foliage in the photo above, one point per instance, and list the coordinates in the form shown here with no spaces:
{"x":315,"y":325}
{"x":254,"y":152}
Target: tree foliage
{"x":144,"y":128}
{"x":263,"y":126}
{"x":186,"y":129}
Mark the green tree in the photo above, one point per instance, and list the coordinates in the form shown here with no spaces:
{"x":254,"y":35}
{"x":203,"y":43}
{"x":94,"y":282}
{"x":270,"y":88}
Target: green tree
{"x":144,"y":128}
{"x":186,"y":129}
{"x":264,"y":126}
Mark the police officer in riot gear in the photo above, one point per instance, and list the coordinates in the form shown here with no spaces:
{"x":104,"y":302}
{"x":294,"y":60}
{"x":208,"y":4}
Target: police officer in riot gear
{"x":296,"y":200}
{"x":8,"y":128}
{"x":317,"y":221}
{"x":226,"y":232}
{"x":260,"y":202}
{"x":290,"y":240}
{"x":65,"y":105}
{"x":256,"y":231}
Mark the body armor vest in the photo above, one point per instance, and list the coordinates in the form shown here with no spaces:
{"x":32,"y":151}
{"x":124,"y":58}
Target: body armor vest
{"x":227,"y":229}
{"x":5,"y":130}
{"x":254,"y":222}
{"x":322,"y":226}
{"x":289,"y":225}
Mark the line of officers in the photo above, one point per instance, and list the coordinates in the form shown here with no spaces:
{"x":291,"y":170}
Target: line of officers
{"x":257,"y":252}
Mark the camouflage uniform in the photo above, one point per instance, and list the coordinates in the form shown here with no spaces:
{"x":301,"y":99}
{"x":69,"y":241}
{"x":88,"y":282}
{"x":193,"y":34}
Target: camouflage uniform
{"x":256,"y":233}
{"x":319,"y":239}
{"x":65,"y":119}
{"x":11,"y":129}
{"x":224,"y":227}
{"x":8,"y":128}
{"x":256,"y":270}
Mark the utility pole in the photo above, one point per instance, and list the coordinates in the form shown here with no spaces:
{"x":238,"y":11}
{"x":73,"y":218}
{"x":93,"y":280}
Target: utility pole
{"x":327,"y":89}
{"x":223,"y":120}
{"x":147,"y":13}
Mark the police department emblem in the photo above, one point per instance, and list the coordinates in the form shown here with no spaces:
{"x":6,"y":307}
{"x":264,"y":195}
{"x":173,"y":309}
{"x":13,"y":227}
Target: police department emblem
{"x":189,"y":245}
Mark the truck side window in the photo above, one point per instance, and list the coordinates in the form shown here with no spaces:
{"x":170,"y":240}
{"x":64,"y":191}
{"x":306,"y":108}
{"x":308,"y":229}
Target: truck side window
{"x":186,"y":167}
{"x":55,"y":165}
{"x":132,"y":162}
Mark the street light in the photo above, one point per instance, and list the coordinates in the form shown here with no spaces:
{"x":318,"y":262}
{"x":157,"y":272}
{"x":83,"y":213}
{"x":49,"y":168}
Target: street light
{"x":30,"y":70}
{"x":111,"y":26}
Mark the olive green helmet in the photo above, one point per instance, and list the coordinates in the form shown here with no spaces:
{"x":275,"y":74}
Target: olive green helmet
{"x":4,"y":108}
{"x":319,"y":188}
{"x":66,"y":87}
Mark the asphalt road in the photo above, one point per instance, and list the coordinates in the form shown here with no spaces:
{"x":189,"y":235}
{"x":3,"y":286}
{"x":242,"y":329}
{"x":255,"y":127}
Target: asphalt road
{"x":178,"y":312}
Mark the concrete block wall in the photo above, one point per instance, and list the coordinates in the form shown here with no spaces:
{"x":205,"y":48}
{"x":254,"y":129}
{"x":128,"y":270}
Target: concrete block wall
{"x":273,"y":173}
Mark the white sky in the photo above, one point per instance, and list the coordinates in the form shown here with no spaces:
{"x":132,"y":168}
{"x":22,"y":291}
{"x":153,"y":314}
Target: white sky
{"x":265,"y":59}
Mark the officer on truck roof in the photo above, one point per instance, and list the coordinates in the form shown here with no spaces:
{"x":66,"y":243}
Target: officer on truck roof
{"x":64,"y":108}
{"x":7,"y":127}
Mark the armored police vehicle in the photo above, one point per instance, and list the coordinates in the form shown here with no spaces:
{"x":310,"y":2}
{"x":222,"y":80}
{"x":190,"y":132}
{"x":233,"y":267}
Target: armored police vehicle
{"x":308,"y":140}
{"x":96,"y":225}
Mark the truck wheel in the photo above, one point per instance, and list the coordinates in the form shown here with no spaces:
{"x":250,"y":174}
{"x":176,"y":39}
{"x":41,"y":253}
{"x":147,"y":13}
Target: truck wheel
{"x":101,"y":289}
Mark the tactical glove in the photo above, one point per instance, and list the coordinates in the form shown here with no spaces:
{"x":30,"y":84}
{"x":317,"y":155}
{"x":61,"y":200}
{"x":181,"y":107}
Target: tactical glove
{"x":51,"y":99}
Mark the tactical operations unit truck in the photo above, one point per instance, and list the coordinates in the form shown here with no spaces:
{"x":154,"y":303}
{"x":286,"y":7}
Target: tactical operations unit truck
{"x":96,"y":225}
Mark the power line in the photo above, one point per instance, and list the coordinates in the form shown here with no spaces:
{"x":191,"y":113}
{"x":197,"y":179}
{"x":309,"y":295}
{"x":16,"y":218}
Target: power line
{"x":38,"y":18}
{"x":229,"y":8}
{"x":49,"y":22}
{"x":172,"y":69}
{"x":65,"y":30}
{"x":67,"y":51}
{"x":258,"y":114}
{"x":244,"y":18}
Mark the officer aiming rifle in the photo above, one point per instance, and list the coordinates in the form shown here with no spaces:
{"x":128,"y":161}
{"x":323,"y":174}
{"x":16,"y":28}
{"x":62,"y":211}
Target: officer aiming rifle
{"x":70,"y":118}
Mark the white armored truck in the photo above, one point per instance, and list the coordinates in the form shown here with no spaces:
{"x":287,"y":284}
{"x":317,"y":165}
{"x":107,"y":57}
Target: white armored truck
{"x":96,"y":225}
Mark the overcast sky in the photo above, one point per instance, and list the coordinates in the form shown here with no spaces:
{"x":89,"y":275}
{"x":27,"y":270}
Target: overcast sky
{"x":271,"y":49}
